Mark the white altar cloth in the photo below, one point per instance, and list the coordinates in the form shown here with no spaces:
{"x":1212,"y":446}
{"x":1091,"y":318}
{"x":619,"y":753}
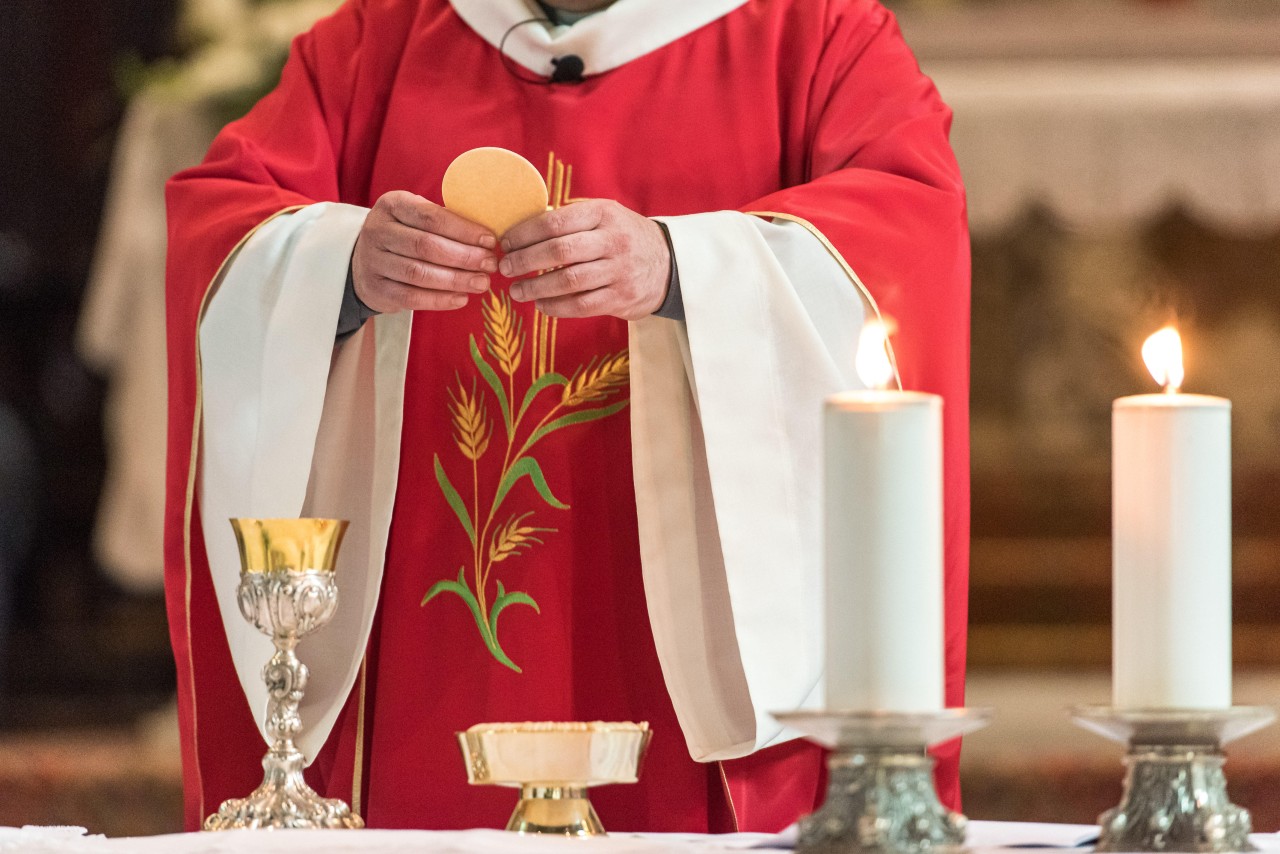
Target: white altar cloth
{"x":983,"y":836}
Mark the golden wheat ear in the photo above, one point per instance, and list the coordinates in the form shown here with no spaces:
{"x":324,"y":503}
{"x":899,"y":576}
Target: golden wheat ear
{"x":597,"y":381}
{"x":471,"y":426}
{"x":503,"y":332}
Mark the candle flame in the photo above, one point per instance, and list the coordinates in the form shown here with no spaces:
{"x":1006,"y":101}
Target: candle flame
{"x":874,"y":368}
{"x":1163,"y":354}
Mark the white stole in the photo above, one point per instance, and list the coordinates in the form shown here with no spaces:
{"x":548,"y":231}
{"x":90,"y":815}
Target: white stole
{"x":294,"y":427}
{"x":726,"y":416}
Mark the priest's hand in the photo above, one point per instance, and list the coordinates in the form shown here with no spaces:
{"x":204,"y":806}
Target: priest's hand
{"x":601,"y":258}
{"x":412,"y":254}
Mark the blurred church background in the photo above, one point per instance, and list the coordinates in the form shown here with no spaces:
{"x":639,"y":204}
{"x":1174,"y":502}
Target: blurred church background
{"x":1123,"y":162}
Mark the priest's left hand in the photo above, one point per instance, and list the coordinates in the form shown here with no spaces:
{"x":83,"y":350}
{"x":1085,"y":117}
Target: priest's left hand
{"x":601,"y":258}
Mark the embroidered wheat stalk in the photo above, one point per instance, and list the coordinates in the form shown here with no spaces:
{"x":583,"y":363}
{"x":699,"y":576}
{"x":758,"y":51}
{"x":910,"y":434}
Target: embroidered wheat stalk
{"x":564,"y":404}
{"x":514,"y":536}
{"x":597,"y":381}
{"x":471,"y":427}
{"x":503,"y":332}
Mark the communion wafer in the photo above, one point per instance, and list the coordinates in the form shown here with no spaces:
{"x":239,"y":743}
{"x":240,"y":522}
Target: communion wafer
{"x":494,"y":187}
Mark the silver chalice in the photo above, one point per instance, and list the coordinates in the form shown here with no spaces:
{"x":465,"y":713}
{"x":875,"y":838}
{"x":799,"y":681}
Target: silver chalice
{"x":287,"y":590}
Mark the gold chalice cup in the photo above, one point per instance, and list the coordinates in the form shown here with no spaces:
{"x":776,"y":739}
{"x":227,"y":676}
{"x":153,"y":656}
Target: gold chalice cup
{"x":287,"y":590}
{"x":553,"y":765}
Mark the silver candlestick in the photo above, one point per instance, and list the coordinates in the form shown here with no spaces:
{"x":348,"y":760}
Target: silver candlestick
{"x":1175,"y":794}
{"x":881,"y":798}
{"x":287,"y":590}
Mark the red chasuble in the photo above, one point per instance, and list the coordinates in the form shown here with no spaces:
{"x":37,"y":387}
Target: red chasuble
{"x":513,"y":585}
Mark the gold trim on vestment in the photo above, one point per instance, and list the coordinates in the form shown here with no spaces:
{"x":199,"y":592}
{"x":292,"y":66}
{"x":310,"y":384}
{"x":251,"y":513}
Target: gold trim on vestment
{"x":728,"y":796}
{"x":192,"y":471}
{"x":848,"y":271}
{"x":357,"y":774}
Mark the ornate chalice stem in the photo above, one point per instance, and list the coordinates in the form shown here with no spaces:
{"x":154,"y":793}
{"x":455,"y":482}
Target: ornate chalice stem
{"x":286,"y":678}
{"x":287,"y":590}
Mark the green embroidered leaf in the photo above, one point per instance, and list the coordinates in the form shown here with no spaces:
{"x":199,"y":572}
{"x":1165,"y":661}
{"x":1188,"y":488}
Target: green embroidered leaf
{"x":455,"y":500}
{"x":460,"y":587}
{"x":582,"y":416}
{"x":464,"y":592}
{"x":504,"y":599}
{"x":527,"y":467}
{"x":544,"y":382}
{"x":496,"y":651}
{"x":491,"y":377}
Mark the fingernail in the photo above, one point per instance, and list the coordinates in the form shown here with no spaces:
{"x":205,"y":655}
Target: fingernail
{"x":505,"y":267}
{"x":506,"y":245}
{"x":480,"y":284}
{"x":488,"y":241}
{"x":517,"y":293}
{"x":489,"y":265}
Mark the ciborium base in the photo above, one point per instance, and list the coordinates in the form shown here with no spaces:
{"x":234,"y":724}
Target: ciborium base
{"x":284,"y":800}
{"x":555,"y":811}
{"x":1175,"y":793}
{"x":881,"y":798}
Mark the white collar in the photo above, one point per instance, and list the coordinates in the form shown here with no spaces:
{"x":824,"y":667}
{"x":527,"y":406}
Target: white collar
{"x":609,"y":38}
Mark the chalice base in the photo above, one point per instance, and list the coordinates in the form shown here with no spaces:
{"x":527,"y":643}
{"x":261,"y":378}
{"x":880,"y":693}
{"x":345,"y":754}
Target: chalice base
{"x":555,"y":811}
{"x":284,"y":800}
{"x":1175,"y":792}
{"x":881,"y":798}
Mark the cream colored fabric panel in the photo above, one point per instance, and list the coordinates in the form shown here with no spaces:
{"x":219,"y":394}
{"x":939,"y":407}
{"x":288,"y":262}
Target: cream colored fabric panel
{"x":725,"y":421}
{"x":353,"y":476}
{"x":680,"y":550}
{"x":278,"y":419}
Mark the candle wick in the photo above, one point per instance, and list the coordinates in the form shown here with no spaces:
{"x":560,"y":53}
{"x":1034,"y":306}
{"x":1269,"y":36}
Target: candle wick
{"x":1172,"y":389}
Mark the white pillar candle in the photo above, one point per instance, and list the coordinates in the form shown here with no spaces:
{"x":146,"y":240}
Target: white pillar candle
{"x":884,"y":583}
{"x":1171,"y":535}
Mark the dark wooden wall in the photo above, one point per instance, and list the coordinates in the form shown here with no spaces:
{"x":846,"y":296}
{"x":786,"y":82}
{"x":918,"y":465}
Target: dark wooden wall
{"x":1049,"y":356}
{"x":73,"y":634}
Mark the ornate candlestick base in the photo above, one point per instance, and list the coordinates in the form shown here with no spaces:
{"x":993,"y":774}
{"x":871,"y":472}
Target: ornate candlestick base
{"x":1175,"y":794}
{"x":287,"y":590}
{"x":881,"y":797}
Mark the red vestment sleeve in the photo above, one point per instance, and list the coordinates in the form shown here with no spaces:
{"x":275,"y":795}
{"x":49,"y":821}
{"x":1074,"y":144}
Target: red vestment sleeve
{"x":282,"y":155}
{"x":882,"y":185}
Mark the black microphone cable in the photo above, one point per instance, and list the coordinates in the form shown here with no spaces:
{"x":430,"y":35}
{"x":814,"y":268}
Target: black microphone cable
{"x":567,"y":68}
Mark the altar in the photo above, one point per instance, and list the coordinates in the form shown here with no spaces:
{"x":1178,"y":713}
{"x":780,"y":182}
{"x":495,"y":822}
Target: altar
{"x":984,"y":836}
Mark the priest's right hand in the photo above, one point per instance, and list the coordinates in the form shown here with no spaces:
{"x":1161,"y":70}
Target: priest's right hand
{"x":413,"y":254}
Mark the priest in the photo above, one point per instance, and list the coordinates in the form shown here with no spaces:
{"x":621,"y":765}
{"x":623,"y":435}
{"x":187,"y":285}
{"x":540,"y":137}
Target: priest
{"x":581,"y":458}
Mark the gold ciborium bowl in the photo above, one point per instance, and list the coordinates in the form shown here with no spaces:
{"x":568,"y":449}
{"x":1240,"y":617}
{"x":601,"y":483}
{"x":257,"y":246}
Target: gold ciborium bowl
{"x":553,"y":765}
